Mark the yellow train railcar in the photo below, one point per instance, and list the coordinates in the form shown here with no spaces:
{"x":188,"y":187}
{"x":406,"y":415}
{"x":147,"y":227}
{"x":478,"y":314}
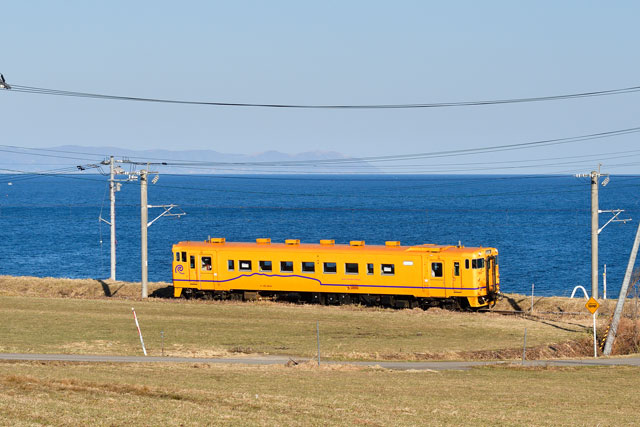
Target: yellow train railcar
{"x":395,"y":275}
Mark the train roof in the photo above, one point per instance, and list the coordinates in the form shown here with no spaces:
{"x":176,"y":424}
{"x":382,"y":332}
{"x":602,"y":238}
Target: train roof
{"x":331,"y":246}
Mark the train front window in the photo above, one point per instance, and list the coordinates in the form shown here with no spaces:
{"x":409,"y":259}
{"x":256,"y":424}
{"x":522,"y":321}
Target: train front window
{"x":178,"y":256}
{"x":477,"y":263}
{"x":308,"y":267}
{"x":184,"y":257}
{"x":351,"y":268}
{"x":387,"y":269}
{"x":330,"y":268}
{"x":436,"y":269}
{"x":245,"y":265}
{"x":265,"y":265}
{"x":286,"y":266}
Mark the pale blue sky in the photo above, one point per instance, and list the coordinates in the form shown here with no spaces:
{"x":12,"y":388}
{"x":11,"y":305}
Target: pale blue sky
{"x":338,"y":52}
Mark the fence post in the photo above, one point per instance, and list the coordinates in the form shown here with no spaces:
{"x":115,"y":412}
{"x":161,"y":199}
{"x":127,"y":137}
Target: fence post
{"x":318,"y":339}
{"x":524,"y":347}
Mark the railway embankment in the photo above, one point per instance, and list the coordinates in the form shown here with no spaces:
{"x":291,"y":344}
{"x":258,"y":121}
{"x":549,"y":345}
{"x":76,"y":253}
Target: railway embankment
{"x":89,"y":316}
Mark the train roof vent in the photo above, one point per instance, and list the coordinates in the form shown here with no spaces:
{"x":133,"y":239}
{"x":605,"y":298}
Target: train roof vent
{"x":392,"y":243}
{"x":292,"y":242}
{"x":217,"y":240}
{"x":357,"y":243}
{"x":263,"y":241}
{"x":327,"y":242}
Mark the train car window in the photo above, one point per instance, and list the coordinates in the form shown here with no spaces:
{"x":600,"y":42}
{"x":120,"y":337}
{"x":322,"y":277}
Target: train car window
{"x":387,"y":269}
{"x":351,"y":267}
{"x":178,"y":256}
{"x":192,"y":261}
{"x":286,"y":266}
{"x":369,"y":268}
{"x":231,"y":265}
{"x":265,"y":266}
{"x":477,"y":263}
{"x":184,"y":257}
{"x":456,"y":268}
{"x":436,"y":269}
{"x":330,"y":267}
{"x":308,"y":267}
{"x":206,"y":263}
{"x":466,"y":264}
{"x":244,"y":265}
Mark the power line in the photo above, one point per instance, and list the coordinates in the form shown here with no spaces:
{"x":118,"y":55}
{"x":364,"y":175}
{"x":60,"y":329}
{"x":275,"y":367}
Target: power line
{"x":351,"y":160}
{"x":57,"y":92}
{"x":414,"y":156}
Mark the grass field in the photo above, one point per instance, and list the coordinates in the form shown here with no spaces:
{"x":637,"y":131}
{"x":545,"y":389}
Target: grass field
{"x":195,"y":328}
{"x":93,"y":317}
{"x":70,"y":394}
{"x":90,"y":316}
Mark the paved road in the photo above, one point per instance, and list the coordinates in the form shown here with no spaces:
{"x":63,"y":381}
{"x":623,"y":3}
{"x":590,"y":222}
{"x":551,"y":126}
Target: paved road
{"x":281,"y":360}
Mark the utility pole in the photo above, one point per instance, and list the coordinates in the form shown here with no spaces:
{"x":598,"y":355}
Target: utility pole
{"x":114,"y":186}
{"x":594,"y":232}
{"x":144,"y":216}
{"x":145,"y":224}
{"x":613,"y":329}
{"x":595,"y":223}
{"x":112,"y":217}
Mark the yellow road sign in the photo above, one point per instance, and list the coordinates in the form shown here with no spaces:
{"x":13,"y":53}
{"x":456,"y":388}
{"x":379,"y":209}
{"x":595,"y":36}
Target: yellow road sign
{"x":592,"y":305}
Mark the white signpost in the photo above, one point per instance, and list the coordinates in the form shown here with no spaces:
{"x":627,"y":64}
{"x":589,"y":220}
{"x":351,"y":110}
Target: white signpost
{"x":592,"y":305}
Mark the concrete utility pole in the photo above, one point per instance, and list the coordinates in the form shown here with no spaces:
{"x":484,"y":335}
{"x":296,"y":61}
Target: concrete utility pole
{"x":144,"y":216}
{"x":594,"y":233}
{"x":112,"y":218}
{"x":145,"y":224}
{"x":613,"y":329}
{"x":595,"y":223}
{"x":114,"y":186}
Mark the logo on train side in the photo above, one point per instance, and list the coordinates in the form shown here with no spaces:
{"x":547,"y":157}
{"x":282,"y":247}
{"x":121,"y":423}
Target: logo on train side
{"x":179,"y":269}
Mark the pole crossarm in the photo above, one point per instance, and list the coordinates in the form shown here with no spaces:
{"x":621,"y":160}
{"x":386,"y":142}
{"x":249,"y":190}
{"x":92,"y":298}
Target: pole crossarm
{"x":104,"y":220}
{"x":614,"y":218}
{"x":167,"y":212}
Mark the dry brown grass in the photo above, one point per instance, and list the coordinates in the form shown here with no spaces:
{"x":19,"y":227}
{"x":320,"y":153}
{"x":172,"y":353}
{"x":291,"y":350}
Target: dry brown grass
{"x":215,"y":329}
{"x":52,"y":287}
{"x":200,"y":394}
{"x":75,"y":316}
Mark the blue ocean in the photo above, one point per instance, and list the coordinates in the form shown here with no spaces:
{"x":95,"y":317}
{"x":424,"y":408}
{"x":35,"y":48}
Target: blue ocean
{"x":49,"y":225}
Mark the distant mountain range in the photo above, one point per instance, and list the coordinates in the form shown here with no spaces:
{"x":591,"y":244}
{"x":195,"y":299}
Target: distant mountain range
{"x":184,"y":161}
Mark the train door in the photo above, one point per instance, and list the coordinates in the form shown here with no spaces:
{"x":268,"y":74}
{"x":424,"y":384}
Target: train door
{"x":436,"y":275}
{"x":193,"y":271}
{"x":456,"y":280}
{"x":490,"y":268}
{"x":208,"y":271}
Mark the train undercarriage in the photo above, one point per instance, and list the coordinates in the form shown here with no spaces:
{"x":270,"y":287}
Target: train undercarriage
{"x":370,"y":300}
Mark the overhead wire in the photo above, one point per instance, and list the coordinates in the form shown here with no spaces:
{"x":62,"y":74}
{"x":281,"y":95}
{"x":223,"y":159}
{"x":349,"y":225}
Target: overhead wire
{"x":413,"y":156}
{"x":58,"y":92}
